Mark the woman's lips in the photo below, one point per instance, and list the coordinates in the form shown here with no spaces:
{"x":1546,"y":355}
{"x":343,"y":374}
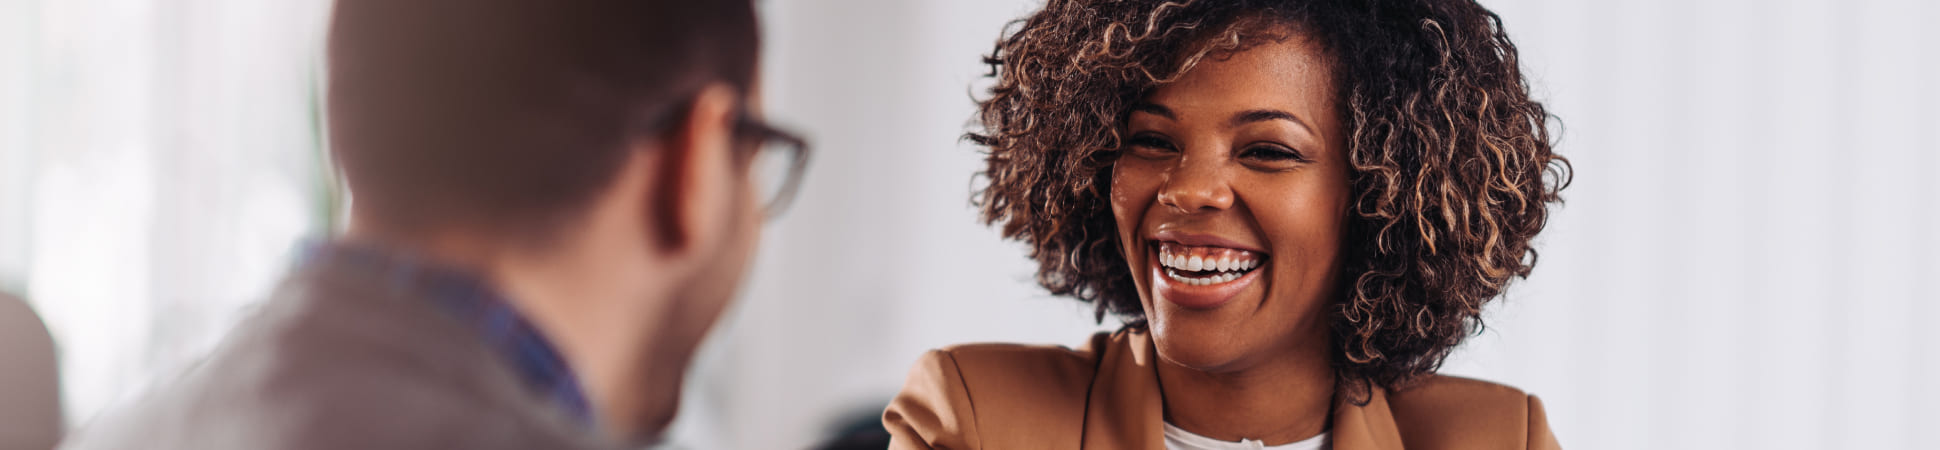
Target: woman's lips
{"x":1191,"y":239}
{"x":1202,"y":277}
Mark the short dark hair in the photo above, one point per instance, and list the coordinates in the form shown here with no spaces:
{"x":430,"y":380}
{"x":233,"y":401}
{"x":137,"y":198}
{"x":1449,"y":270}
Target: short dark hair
{"x":1453,"y":170}
{"x":514,"y":112}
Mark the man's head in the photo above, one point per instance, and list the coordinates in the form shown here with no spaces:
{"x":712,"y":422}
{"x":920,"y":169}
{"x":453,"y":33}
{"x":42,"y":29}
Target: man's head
{"x":514,"y":112}
{"x":604,"y":143}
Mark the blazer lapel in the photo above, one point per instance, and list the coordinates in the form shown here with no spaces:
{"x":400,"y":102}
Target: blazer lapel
{"x":1125,"y":409}
{"x":1369,"y":427}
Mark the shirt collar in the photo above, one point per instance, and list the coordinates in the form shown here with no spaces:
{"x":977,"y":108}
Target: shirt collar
{"x":468,"y":299}
{"x":1126,"y":407}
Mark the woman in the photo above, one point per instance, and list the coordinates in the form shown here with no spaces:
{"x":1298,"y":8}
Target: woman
{"x":1298,"y":207}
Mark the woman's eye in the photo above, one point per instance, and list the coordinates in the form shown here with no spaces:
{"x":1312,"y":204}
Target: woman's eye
{"x":1145,"y":143}
{"x":1272,"y":153}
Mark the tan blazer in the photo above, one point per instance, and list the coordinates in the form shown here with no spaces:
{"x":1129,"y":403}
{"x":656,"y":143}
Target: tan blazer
{"x":1105,"y":395}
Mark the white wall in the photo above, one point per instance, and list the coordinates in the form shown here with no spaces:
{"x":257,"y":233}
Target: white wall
{"x":1743,"y":262}
{"x":1745,"y":259}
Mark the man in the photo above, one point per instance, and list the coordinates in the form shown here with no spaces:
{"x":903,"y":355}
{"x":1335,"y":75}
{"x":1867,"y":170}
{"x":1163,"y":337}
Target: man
{"x":30,"y":379}
{"x":551,"y":203}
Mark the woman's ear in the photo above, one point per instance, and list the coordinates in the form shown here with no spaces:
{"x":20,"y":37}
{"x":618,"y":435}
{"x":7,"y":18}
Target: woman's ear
{"x":694,"y":187}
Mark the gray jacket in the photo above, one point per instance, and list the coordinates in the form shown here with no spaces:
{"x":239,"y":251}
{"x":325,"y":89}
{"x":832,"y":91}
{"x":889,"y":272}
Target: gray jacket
{"x":339,"y":359}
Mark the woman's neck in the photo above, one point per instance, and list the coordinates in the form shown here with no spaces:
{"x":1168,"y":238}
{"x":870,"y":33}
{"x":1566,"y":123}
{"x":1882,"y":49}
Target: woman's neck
{"x":1280,"y":401}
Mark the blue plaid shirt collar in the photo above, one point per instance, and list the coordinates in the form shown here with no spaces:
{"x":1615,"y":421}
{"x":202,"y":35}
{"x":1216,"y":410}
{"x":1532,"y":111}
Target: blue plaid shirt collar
{"x":469,"y":300}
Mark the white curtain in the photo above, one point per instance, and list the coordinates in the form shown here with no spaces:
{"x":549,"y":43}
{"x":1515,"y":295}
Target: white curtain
{"x":158,"y":161}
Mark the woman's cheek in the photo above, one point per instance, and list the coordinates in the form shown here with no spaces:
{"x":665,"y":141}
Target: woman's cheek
{"x":1121,"y":205}
{"x":1129,"y":198}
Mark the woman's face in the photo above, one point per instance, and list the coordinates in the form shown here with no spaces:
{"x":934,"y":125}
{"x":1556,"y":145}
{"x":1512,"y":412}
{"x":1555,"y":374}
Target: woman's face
{"x":1230,"y":195}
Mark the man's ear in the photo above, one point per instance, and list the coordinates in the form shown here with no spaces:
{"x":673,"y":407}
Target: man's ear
{"x":694,"y":187}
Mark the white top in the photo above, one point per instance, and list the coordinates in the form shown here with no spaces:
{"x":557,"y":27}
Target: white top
{"x":1179,"y":439}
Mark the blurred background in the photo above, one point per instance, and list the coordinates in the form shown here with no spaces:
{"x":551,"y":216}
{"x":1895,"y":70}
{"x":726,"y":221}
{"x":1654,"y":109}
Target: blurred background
{"x":1746,"y":260}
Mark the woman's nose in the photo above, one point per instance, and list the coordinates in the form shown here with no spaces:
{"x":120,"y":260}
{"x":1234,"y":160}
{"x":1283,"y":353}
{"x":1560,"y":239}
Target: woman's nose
{"x":1197,"y":185}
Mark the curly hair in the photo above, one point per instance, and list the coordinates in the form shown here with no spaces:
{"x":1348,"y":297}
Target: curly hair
{"x":1452,"y":163}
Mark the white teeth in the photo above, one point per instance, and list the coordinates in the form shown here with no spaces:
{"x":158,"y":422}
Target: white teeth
{"x":1223,"y":263}
{"x":1203,"y":281}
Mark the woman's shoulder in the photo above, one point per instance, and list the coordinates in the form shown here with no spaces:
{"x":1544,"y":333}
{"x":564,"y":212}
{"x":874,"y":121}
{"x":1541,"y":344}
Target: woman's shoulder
{"x":993,"y":372}
{"x":1029,"y":391}
{"x":1442,"y":408}
{"x":1447,"y":391}
{"x":1055,"y":365}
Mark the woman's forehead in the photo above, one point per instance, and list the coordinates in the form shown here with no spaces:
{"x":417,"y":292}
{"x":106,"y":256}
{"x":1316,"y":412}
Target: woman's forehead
{"x":1290,"y":75}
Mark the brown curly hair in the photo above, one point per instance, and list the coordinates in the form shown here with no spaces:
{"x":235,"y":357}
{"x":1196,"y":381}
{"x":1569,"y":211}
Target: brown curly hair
{"x":1453,"y":169}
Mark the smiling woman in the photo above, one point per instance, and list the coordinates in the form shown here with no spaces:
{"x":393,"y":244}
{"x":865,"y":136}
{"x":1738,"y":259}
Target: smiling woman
{"x":1297,"y":207}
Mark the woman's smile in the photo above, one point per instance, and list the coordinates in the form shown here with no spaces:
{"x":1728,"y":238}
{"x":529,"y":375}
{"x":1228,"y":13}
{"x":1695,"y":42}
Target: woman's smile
{"x":1202,"y":276}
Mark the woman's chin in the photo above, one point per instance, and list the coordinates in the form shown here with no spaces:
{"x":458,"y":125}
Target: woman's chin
{"x":1199,"y":348}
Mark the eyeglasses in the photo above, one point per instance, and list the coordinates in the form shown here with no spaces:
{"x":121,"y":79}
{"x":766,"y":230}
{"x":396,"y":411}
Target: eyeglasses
{"x":775,"y":162}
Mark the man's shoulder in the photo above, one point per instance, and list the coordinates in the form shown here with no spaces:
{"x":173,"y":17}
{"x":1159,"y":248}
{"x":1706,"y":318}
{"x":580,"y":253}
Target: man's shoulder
{"x":322,"y":366}
{"x":1448,"y":409}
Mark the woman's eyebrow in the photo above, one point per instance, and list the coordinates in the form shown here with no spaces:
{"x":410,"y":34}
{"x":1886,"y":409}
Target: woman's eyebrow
{"x":1154,"y":109}
{"x":1262,"y":115}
